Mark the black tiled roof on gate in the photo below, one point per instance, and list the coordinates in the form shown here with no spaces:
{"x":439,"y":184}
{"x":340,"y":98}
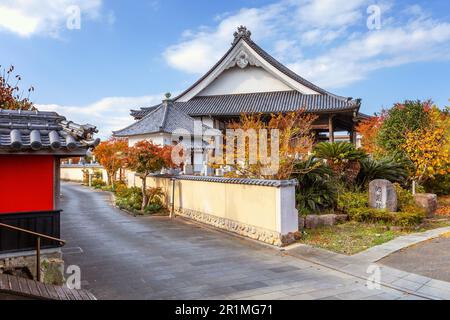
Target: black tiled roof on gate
{"x":264,"y":102}
{"x":43,"y":132}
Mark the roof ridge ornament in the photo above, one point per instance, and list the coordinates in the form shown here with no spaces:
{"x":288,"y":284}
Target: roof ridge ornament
{"x":241,"y":33}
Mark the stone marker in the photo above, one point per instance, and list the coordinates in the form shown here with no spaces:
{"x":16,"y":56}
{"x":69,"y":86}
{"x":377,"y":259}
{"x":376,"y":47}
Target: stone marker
{"x":382,"y":195}
{"x":427,"y":201}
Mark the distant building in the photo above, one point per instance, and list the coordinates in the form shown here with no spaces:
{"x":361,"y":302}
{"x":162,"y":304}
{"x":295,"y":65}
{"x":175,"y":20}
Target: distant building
{"x":245,"y":80}
{"x":31,"y":146}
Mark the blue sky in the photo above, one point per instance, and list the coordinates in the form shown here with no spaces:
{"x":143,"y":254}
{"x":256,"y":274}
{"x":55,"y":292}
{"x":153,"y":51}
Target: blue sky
{"x":128,"y":53}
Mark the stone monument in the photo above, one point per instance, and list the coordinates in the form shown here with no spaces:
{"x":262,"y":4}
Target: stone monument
{"x":382,"y":195}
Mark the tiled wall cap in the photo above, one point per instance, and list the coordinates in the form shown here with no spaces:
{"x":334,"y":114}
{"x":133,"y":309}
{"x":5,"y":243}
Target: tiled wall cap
{"x":245,"y":181}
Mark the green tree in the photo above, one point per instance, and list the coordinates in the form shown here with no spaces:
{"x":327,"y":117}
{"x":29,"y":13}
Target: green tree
{"x":401,"y":119}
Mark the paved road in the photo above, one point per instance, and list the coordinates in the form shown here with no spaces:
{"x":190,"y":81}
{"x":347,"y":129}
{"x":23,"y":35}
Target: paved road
{"x":124,"y":257}
{"x":430,"y":259}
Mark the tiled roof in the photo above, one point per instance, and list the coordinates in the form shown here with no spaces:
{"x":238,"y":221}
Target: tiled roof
{"x":245,"y":35}
{"x":163,"y":118}
{"x":38,"y":131}
{"x":265,"y":102}
{"x":247,"y":181}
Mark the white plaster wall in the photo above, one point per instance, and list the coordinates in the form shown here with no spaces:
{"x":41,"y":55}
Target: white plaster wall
{"x":198,"y":161}
{"x":208,"y":122}
{"x":159,"y":139}
{"x":248,"y":80}
{"x":287,"y":215}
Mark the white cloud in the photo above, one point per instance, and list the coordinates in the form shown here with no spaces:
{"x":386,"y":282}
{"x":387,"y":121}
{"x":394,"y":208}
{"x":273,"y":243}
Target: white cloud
{"x":199,"y":50}
{"x":108,"y":114}
{"x":320,"y":15}
{"x":288,"y":21}
{"x":30,"y":17}
{"x":388,"y":47}
{"x":326,"y":41}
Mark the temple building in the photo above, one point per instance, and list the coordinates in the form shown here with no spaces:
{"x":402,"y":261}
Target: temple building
{"x":245,"y":80}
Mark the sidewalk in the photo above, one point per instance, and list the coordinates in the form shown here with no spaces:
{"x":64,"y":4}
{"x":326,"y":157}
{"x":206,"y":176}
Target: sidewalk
{"x":357,"y":265}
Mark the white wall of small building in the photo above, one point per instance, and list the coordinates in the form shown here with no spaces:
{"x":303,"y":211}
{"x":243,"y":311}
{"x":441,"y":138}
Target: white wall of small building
{"x":157,"y":138}
{"x":248,"y":80}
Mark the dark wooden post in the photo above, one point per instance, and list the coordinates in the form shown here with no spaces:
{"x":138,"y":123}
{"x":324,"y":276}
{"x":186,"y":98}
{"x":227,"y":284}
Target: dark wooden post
{"x":172,"y":212}
{"x":353,"y":133}
{"x":38,"y":259}
{"x":331,"y":128}
{"x":353,"y":137}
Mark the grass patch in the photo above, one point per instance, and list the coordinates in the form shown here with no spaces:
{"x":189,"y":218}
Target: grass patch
{"x":353,"y":237}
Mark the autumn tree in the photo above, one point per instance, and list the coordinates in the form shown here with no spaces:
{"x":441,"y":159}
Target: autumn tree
{"x":428,"y":148}
{"x":111,"y":155}
{"x":293,"y":132}
{"x":11,"y":97}
{"x":145,"y":158}
{"x":369,"y":130}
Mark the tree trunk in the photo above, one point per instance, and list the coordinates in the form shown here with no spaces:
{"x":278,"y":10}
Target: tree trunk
{"x":108,"y":175}
{"x":111,"y":177}
{"x":144,"y":192}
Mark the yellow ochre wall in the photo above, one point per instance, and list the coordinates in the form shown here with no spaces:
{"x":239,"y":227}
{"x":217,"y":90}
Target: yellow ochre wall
{"x":75,"y":172}
{"x":264,"y":213}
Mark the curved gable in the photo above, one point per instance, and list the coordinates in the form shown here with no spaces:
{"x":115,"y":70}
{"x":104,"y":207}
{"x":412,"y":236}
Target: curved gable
{"x":244,"y":56}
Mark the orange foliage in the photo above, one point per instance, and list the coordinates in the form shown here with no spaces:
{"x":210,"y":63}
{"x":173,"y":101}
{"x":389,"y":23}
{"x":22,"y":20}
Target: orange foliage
{"x":145,"y":158}
{"x":429,"y":148}
{"x":111,"y":155}
{"x":295,"y":141}
{"x":369,"y":130}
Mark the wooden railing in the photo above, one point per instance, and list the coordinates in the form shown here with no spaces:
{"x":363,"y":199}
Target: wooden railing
{"x":38,"y":237}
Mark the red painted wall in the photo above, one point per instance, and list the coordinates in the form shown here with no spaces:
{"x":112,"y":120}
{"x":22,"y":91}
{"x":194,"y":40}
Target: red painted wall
{"x":26,"y":183}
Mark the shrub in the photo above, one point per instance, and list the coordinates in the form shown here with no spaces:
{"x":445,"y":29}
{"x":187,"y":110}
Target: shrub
{"x":154,"y":196}
{"x":370,"y":215}
{"x":129,"y":198}
{"x":342,"y":157}
{"x":411,"y":216}
{"x":404,"y":197}
{"x":98,"y":183}
{"x":315,"y":191}
{"x":352,"y":200}
{"x":153,"y":208}
{"x":389,"y":169}
{"x":338,"y":151}
{"x":315,"y":197}
{"x":119,"y":187}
